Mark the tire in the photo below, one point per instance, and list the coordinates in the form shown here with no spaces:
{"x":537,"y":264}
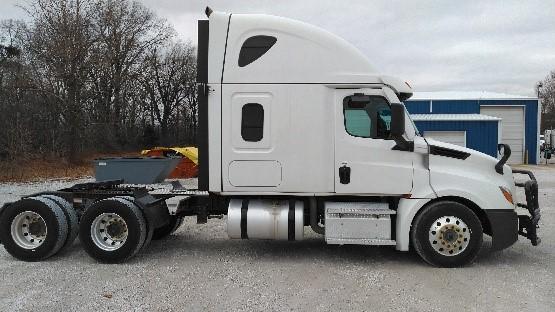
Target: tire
{"x":461,"y":229}
{"x":112,"y":230}
{"x":71,"y":217}
{"x":168,"y":229}
{"x":17,"y":223}
{"x":150,"y":229}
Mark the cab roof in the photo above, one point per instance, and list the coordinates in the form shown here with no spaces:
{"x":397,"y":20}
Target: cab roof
{"x":286,"y":51}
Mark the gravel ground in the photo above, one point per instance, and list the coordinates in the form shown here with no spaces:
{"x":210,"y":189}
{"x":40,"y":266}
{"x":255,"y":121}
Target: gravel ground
{"x":198,"y":268}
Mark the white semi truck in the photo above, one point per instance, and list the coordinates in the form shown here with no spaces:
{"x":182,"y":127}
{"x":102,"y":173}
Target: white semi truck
{"x":297,"y":130}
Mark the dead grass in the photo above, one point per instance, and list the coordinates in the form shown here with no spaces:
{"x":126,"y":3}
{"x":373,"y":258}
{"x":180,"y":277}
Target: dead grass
{"x":51,"y":168}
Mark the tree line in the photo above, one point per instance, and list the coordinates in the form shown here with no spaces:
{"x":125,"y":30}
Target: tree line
{"x":546,"y":92}
{"x":93,"y":76}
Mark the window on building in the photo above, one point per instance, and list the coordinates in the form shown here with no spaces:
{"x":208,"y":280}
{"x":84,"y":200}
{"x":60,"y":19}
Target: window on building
{"x":254,"y":47}
{"x":367,"y":116}
{"x":252,"y":122}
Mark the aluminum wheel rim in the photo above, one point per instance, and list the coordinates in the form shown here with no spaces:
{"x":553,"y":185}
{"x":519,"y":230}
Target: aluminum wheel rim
{"x":449,"y":236}
{"x":109,"y":231}
{"x":28,"y":230}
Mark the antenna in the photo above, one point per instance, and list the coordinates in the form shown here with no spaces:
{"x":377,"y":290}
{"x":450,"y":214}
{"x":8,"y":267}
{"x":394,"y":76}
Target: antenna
{"x":208,"y":11}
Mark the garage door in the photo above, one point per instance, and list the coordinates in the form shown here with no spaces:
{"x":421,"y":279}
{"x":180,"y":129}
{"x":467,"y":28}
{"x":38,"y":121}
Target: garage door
{"x":453,"y":137}
{"x":512,"y":128}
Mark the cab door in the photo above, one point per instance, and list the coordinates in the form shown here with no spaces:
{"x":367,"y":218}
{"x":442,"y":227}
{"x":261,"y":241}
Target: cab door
{"x":366,"y":159}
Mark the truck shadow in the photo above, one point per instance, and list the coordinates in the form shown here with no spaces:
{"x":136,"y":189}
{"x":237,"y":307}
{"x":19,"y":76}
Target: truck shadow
{"x":309,"y":250}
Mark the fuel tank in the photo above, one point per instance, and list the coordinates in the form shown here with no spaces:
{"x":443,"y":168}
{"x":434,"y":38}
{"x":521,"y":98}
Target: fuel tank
{"x":265,"y":219}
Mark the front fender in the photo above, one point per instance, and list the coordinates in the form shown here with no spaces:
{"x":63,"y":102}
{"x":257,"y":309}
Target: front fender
{"x":406,"y":210}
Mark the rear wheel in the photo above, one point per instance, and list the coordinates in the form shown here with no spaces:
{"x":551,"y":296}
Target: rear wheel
{"x":33,"y":229}
{"x":71,"y":217}
{"x":168,"y":229}
{"x":447,"y":234}
{"x":150,"y":229}
{"x":113,"y":230}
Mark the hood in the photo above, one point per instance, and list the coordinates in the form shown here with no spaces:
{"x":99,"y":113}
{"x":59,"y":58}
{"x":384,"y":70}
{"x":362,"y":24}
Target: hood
{"x":473,"y":153}
{"x":471,"y":161}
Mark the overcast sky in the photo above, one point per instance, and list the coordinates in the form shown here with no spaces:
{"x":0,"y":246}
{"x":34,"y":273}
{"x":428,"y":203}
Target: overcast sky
{"x":500,"y":46}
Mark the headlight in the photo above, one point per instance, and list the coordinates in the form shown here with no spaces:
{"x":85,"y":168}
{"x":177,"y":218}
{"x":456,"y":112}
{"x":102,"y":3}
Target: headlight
{"x":507,"y":193}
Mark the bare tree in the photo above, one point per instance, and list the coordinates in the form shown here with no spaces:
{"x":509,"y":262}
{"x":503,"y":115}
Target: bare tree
{"x":124,"y":32}
{"x":167,"y":84}
{"x":59,"y":44}
{"x":93,"y":75}
{"x":9,"y":68}
{"x":547,"y":95}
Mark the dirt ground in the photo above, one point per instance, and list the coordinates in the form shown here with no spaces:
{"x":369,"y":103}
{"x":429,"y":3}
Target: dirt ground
{"x":199,"y":268}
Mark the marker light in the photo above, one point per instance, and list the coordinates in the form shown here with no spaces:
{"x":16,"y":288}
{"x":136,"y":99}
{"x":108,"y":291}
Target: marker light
{"x":507,"y":194}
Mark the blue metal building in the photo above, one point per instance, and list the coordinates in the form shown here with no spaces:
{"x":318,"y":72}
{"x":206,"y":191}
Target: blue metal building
{"x":480,"y":120}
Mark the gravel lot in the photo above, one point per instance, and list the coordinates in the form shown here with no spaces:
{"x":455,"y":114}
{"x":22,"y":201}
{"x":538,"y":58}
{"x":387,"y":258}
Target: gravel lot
{"x":200,"y":269}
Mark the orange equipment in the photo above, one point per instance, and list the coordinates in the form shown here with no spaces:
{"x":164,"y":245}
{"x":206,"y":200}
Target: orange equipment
{"x":187,"y":167}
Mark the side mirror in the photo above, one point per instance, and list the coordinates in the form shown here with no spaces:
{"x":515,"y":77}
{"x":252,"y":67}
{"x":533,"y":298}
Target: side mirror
{"x":397,"y":120}
{"x":397,"y":129}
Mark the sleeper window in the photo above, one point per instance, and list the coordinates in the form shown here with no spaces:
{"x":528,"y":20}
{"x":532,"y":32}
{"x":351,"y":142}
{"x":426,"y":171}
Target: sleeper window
{"x":252,"y":122}
{"x":367,"y":119}
{"x":254,"y":47}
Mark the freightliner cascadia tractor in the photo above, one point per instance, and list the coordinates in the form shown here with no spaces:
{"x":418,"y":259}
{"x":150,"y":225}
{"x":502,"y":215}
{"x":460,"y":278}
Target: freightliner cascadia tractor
{"x":298,"y":132}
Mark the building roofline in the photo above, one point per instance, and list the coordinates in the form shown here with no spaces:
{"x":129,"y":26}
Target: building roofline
{"x":454,"y":117}
{"x":468,"y":95}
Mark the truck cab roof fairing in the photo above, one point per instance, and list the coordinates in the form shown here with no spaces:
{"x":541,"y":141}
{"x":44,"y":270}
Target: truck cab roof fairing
{"x":302,"y":53}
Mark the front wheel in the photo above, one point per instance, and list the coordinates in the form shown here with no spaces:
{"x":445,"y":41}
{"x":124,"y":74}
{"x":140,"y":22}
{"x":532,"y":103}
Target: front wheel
{"x":447,"y":234}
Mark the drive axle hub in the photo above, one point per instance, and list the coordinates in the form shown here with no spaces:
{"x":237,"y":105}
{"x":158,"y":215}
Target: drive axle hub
{"x":28,"y":230}
{"x":109,"y":231}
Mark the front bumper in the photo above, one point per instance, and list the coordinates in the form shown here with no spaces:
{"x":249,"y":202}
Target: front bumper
{"x":528,"y":224}
{"x":503,"y":227}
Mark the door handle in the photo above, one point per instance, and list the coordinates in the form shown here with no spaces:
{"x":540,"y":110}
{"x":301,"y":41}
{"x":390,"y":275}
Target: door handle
{"x":344,"y":174}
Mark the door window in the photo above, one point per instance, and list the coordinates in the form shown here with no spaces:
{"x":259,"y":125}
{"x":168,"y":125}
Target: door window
{"x":367,"y":116}
{"x":357,"y":122}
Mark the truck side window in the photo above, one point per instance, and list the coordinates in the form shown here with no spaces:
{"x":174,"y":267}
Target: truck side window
{"x":252,"y":122}
{"x":370,"y":119}
{"x":253,"y":48}
{"x":357,"y":122}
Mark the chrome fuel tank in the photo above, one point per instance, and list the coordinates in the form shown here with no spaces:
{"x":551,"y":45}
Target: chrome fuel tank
{"x":265,"y":219}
